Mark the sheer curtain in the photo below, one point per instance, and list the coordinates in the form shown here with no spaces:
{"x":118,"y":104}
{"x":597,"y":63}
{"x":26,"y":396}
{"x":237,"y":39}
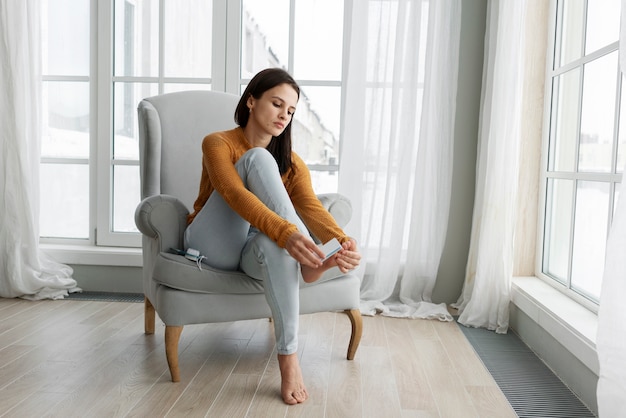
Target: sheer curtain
{"x":611,"y":337}
{"x":484,"y":301}
{"x":396,"y":160}
{"x":24,"y":270}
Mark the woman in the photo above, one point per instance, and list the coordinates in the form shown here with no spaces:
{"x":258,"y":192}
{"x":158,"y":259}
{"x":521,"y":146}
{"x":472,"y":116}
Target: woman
{"x":256,"y":201}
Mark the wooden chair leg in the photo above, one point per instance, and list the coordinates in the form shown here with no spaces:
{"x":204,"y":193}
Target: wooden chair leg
{"x":172,"y":336}
{"x":149,"y":316}
{"x":357,"y":330}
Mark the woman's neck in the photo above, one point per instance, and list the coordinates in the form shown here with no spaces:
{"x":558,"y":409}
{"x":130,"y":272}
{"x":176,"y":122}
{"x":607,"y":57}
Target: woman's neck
{"x":255,"y":138}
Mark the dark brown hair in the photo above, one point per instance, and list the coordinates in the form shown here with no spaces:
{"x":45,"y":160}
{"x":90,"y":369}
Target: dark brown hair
{"x":279,"y":146}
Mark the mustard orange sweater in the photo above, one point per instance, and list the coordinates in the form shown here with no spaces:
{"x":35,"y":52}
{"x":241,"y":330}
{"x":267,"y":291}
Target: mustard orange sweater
{"x":220,"y":152}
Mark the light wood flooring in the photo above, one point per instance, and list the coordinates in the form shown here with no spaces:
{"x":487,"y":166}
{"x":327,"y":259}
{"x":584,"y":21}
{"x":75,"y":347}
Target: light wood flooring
{"x":72,"y":358}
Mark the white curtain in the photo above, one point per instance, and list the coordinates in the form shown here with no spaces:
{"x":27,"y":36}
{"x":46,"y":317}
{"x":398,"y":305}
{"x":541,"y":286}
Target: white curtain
{"x":24,"y":270}
{"x":611,"y":337}
{"x":484,"y":301}
{"x":396,"y":159}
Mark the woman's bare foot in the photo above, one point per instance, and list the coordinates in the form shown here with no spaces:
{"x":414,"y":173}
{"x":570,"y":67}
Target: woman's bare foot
{"x":292,"y":386}
{"x":310,"y":274}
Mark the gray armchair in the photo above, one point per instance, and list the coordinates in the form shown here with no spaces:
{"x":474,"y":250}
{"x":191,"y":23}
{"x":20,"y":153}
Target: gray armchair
{"x":171,"y":129}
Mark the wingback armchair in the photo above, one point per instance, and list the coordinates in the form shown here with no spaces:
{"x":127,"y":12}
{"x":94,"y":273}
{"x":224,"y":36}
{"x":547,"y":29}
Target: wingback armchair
{"x":171,"y":129}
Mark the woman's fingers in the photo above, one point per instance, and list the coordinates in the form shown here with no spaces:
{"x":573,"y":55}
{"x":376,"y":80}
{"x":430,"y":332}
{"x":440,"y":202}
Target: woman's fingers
{"x":307,"y":253}
{"x":304,"y":250}
{"x":348,"y":260}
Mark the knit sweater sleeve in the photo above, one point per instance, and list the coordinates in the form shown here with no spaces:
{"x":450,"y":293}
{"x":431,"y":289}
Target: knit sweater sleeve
{"x":314,"y":215}
{"x":220,"y":151}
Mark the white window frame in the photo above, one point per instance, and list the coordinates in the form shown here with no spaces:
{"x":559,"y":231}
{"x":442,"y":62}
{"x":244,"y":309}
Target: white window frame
{"x":226,"y":50}
{"x":610,"y":178}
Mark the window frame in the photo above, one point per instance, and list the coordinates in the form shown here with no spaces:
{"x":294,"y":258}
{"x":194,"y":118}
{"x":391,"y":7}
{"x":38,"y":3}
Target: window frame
{"x":225,"y":76}
{"x":613,"y":178}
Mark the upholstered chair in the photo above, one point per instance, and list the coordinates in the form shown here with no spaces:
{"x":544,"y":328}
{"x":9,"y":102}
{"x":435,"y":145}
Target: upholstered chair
{"x":171,"y":129}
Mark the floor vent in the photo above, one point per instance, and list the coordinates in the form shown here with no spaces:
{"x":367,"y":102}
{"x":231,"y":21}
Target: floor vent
{"x":107,"y":296}
{"x":531,"y":388}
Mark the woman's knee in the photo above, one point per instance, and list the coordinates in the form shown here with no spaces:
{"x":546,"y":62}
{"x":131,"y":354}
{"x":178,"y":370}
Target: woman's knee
{"x":257,"y":158}
{"x":261,"y":256}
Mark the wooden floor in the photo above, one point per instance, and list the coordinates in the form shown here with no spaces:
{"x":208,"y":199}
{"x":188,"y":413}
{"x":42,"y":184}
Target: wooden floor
{"x":91,"y":359}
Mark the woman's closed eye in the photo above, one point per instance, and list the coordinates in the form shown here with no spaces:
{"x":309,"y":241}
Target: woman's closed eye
{"x":279,"y":105}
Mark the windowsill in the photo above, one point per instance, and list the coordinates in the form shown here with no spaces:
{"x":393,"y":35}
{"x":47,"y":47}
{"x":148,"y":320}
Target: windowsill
{"x":93,"y":255}
{"x":569,"y":322}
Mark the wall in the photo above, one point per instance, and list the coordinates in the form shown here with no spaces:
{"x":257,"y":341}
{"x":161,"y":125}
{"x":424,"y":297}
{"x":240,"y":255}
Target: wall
{"x":122,"y":279}
{"x":454,"y":258}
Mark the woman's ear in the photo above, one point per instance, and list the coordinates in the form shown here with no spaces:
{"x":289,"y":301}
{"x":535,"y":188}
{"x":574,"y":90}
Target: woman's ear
{"x":250,"y":102}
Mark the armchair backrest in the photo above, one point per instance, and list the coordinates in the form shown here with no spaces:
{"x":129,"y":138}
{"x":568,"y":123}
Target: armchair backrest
{"x":171,"y":129}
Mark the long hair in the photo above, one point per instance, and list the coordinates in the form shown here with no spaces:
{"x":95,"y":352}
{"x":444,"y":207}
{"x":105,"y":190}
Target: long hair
{"x":279,"y":146}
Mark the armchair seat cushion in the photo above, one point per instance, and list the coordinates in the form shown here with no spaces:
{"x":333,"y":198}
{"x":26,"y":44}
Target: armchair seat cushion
{"x":177,"y":272}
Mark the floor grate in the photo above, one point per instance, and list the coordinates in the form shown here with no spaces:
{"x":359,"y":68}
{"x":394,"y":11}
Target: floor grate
{"x":107,"y":296}
{"x":531,"y":388}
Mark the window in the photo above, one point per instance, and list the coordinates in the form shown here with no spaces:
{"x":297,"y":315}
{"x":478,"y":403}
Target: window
{"x":100,"y":58}
{"x":585,"y":150}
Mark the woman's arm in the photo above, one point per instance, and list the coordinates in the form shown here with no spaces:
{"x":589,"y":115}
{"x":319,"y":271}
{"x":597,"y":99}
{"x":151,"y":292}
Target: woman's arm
{"x":220,"y":153}
{"x":314,"y":215}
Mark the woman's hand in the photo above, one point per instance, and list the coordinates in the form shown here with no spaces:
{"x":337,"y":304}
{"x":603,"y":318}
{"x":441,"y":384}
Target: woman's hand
{"x":304,"y":250}
{"x":349,"y":258}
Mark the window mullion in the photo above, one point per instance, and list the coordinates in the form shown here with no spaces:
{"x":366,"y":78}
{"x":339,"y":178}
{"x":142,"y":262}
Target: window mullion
{"x":162,"y":30}
{"x":104,"y":125}
{"x":220,"y":23}
{"x":292,"y":31}
{"x":104,"y":143}
{"x":232,"y":55}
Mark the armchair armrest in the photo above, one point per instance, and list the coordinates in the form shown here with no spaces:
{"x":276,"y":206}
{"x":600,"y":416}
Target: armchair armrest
{"x":164,"y":218}
{"x":338,"y":205}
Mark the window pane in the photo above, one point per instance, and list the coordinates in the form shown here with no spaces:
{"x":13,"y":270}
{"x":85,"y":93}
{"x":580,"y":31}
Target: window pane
{"x":571,"y":31}
{"x":602,"y":23}
{"x":324,"y":181}
{"x":598,"y":114}
{"x":318,"y":53}
{"x":557,"y":228}
{"x":126,"y":98}
{"x":316,"y":125}
{"x":590,"y":233}
{"x":65,"y":36}
{"x":136,"y":40}
{"x":264,"y":36}
{"x":564,"y":129}
{"x":65,"y":119}
{"x":126,"y":197}
{"x":64,"y":207}
{"x":188,"y":38}
{"x":380,"y":15}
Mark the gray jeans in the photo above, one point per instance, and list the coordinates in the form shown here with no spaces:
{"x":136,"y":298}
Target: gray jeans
{"x":229,"y":243}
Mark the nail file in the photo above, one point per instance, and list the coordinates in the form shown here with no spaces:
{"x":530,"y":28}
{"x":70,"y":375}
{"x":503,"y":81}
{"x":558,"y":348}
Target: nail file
{"x":330,"y":248}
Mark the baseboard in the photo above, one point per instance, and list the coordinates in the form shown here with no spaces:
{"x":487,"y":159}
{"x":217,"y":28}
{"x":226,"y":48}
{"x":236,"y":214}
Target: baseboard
{"x":560,"y":331}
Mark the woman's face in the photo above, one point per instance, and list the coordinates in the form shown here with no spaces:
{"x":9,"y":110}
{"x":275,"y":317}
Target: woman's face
{"x":272,"y":112}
